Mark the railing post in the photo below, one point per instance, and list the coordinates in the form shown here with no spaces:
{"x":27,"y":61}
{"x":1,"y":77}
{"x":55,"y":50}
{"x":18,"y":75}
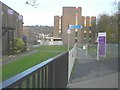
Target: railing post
{"x":50,"y":75}
{"x":33,"y":80}
{"x":46,"y":80}
{"x":28,"y":83}
{"x":38,"y":82}
{"x":20,"y":86}
{"x":61,"y":71}
{"x":42,"y":78}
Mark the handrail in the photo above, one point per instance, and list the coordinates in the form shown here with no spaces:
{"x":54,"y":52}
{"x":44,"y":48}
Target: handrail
{"x":46,"y":67}
{"x":72,"y":58}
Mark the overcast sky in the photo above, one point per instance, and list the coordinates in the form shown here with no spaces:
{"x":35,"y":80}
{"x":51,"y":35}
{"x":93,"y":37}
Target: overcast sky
{"x":47,"y":9}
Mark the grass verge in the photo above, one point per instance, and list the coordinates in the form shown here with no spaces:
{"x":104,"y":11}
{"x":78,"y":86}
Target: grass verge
{"x":53,"y":48}
{"x":28,"y":61}
{"x":24,"y":63}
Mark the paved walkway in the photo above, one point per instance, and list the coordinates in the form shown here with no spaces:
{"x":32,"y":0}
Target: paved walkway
{"x":106,"y":81}
{"x":90,"y":73}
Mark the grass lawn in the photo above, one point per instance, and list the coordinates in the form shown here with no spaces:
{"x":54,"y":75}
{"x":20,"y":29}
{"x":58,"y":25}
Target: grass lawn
{"x":26,"y":62}
{"x":53,"y":48}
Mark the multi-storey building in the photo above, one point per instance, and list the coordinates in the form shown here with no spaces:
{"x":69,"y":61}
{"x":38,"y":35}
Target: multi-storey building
{"x":73,"y":16}
{"x":11,"y":23}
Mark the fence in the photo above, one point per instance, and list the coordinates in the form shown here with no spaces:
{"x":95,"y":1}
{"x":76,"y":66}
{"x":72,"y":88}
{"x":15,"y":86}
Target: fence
{"x":52,"y":73}
{"x":111,"y":51}
{"x":72,"y":57}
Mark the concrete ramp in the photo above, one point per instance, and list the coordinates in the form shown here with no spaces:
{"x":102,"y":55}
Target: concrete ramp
{"x":90,"y":73}
{"x":106,"y":81}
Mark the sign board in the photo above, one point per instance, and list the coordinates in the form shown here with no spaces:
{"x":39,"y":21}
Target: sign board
{"x":84,"y":47}
{"x":75,"y":26}
{"x":68,"y":31}
{"x":102,"y":44}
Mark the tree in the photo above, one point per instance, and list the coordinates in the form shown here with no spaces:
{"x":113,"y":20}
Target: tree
{"x":109,"y":24}
{"x":18,"y":45}
{"x":33,"y":3}
{"x":115,"y":5}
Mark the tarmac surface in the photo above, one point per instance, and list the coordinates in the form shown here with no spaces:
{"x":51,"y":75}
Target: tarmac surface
{"x":90,"y":73}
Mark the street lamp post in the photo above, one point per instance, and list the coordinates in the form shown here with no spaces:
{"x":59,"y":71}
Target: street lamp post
{"x":68,"y":31}
{"x":68,"y":41}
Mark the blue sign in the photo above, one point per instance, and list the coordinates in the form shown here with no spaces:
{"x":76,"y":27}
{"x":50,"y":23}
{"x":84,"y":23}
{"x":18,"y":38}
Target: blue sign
{"x":75,"y":26}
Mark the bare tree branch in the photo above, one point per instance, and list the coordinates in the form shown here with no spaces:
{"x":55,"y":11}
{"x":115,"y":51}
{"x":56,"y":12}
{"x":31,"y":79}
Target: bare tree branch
{"x":33,"y":3}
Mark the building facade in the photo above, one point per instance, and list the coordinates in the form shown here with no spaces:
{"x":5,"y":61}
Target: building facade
{"x":73,"y":16}
{"x":11,"y":27}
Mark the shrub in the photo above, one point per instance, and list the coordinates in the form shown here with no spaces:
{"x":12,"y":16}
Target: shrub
{"x":18,"y":45}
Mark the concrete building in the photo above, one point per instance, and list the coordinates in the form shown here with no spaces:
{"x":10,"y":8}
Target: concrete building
{"x":11,"y":27}
{"x":73,"y":16}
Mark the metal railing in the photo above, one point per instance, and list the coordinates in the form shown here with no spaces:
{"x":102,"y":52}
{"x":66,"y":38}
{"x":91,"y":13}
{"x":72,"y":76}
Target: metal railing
{"x":111,"y":51}
{"x":72,"y":58}
{"x":52,"y":73}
